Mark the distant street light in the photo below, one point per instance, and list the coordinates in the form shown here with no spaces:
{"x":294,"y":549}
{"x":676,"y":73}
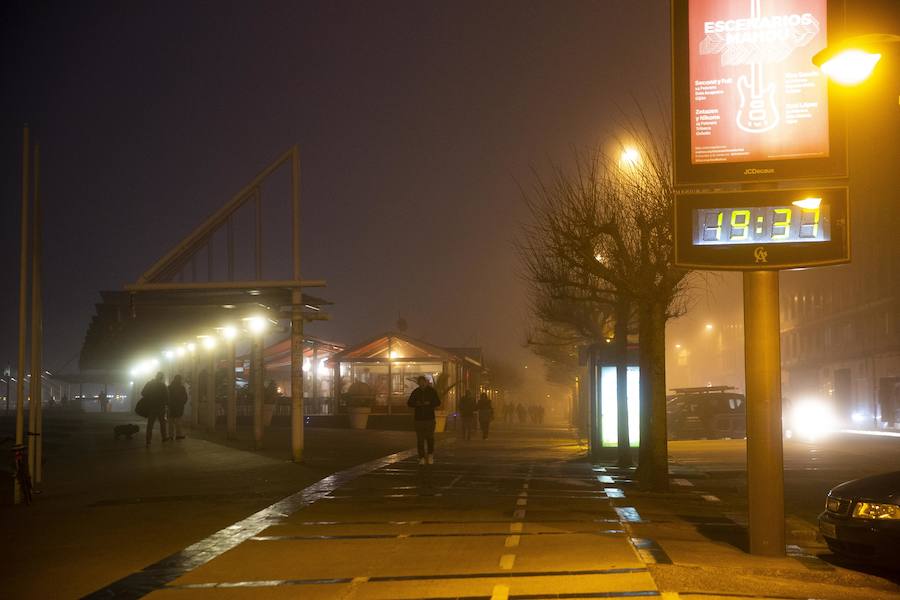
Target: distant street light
{"x":256,"y":325}
{"x":229,"y":332}
{"x":853,"y":60}
{"x":208,"y":342}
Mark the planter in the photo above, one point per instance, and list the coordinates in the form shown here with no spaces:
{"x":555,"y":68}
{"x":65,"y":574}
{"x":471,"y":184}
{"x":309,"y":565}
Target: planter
{"x":359,"y":416}
{"x":440,"y":421}
{"x":268,"y":411}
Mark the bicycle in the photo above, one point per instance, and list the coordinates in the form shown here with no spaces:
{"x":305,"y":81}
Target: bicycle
{"x":20,"y":469}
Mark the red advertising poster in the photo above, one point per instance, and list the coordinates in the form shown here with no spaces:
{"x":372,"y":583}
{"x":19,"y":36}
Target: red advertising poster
{"x":754,"y":92}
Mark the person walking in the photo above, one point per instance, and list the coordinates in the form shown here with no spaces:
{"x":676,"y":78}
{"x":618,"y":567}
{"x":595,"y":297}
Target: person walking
{"x":156,"y":397}
{"x":175,"y":407}
{"x":485,"y":415}
{"x":467,"y":408}
{"x":423,"y":400}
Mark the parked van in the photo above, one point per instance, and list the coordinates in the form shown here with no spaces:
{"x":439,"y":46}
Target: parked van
{"x":714,"y":412}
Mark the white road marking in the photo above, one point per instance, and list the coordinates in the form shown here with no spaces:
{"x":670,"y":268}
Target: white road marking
{"x":512,"y":541}
{"x":515,"y":528}
{"x":866,"y":432}
{"x":710,"y":498}
{"x":605,"y":479}
{"x":614,"y":492}
{"x":682,"y":482}
{"x":521,"y":502}
{"x":359,"y":580}
{"x":501,"y":592}
{"x":519,"y":514}
{"x":507,"y":561}
{"x":525,"y":485}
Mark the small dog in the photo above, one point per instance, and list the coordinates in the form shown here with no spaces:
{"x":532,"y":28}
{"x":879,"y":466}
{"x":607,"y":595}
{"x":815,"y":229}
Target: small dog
{"x":125,"y":431}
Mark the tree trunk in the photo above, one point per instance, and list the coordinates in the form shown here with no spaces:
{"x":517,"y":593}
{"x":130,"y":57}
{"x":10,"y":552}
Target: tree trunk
{"x":653,"y":465}
{"x":645,"y":449}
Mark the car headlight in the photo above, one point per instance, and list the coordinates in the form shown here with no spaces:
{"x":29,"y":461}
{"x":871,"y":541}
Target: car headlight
{"x":875,"y":510}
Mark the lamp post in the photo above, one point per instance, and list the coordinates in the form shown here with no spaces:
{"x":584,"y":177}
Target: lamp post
{"x":257,"y":327}
{"x":209,"y":344}
{"x":191,"y":348}
{"x":229,"y":333}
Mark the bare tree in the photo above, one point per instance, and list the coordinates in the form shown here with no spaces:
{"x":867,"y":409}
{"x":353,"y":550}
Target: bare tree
{"x":599,"y":250}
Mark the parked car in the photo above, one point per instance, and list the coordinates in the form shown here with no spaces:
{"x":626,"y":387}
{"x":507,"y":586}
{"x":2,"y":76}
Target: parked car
{"x":706,"y":413}
{"x":862,"y":517}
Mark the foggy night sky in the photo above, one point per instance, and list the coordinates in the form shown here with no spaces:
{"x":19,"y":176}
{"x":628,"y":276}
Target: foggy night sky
{"x":416,"y":122}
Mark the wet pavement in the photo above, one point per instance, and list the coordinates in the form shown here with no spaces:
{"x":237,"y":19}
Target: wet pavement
{"x":522,"y":515}
{"x":512,"y":517}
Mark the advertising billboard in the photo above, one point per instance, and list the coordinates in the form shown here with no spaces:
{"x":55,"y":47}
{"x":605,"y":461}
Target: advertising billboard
{"x":766,"y":229}
{"x":749,"y":103}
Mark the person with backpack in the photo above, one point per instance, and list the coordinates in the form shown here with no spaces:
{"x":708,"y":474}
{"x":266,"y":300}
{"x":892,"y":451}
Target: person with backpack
{"x":423,"y":400}
{"x":175,"y":407}
{"x":154,"y":398}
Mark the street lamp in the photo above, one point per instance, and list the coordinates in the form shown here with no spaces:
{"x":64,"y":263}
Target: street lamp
{"x":229,"y":334}
{"x":630,"y":157}
{"x":853,"y":60}
{"x":257,"y":325}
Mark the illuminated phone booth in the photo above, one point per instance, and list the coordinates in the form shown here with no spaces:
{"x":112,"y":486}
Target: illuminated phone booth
{"x":604,"y":392}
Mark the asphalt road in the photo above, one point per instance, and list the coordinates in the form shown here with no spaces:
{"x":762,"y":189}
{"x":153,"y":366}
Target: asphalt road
{"x":810,"y":469}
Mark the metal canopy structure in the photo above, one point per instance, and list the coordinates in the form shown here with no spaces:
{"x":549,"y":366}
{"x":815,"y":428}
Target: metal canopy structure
{"x":169,"y":299}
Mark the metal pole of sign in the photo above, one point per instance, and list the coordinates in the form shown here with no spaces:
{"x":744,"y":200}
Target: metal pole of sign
{"x":23,"y":307}
{"x":296,"y":318}
{"x":36,"y":407}
{"x":765,"y":454}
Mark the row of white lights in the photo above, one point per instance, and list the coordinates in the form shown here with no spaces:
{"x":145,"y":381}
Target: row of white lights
{"x":254,"y":325}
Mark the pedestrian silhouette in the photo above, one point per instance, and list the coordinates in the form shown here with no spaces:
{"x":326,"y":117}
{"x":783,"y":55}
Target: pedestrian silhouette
{"x":485,"y":415}
{"x":423,"y":400}
{"x":156,"y":395}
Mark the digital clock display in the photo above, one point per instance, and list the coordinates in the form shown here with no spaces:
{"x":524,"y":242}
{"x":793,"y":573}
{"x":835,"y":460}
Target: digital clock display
{"x":762,"y":229}
{"x":762,"y":224}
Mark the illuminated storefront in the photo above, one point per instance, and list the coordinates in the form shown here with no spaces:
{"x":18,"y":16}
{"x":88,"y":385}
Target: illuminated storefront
{"x":390,"y":364}
{"x":318,"y":378}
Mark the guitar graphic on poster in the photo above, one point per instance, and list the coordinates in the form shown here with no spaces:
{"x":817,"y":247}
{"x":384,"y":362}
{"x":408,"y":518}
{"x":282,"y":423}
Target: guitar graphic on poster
{"x":758,"y":112}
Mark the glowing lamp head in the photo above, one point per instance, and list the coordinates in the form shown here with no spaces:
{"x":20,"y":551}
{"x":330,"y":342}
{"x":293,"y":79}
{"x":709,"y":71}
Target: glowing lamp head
{"x":191,"y":346}
{"x":209,"y":342}
{"x":709,"y":327}
{"x":229,"y":332}
{"x":256,"y":325}
{"x":169,"y":354}
{"x":808,"y":203}
{"x":850,"y":67}
{"x":630,"y":157}
{"x":179,"y":351}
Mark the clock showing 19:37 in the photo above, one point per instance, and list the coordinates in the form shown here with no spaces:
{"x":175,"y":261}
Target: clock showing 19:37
{"x":803,"y":221}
